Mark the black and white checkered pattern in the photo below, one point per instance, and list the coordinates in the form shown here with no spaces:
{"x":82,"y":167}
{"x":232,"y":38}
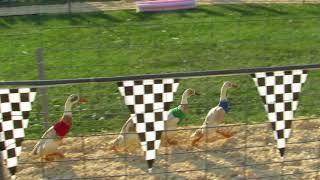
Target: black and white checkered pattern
{"x":149,"y":103}
{"x":15,"y":105}
{"x":280,"y":93}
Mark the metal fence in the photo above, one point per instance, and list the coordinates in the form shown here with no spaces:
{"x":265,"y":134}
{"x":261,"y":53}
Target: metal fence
{"x":249,"y":154}
{"x":112,"y":50}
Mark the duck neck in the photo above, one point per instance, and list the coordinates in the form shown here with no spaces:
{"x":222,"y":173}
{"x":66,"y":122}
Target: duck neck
{"x":223,"y":94}
{"x":67,"y":109}
{"x":184,"y":99}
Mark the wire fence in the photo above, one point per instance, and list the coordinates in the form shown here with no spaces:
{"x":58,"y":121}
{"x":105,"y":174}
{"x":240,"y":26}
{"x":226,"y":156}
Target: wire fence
{"x":113,"y":48}
{"x":127,"y":45}
{"x":249,"y":154}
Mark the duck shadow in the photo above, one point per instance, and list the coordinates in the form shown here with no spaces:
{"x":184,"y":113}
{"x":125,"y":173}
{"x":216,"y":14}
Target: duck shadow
{"x":62,"y":169}
{"x":225,"y":157}
{"x":160,"y":168}
{"x":59,"y":169}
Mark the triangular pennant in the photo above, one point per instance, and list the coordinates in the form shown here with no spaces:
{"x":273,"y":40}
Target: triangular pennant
{"x":15,"y":105}
{"x":280,"y":94}
{"x":149,"y":103}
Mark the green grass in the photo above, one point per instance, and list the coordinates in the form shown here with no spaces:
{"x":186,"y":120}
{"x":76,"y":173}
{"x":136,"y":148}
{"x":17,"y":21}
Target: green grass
{"x":127,"y":43}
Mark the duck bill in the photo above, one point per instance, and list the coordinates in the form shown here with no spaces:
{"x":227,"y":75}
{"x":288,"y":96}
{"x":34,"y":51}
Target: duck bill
{"x":235,"y":86}
{"x":197,"y":94}
{"x":83,"y":100}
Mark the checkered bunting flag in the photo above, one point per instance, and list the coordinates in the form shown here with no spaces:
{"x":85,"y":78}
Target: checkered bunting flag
{"x":149,"y":103}
{"x":15,"y":105}
{"x":280,"y":94}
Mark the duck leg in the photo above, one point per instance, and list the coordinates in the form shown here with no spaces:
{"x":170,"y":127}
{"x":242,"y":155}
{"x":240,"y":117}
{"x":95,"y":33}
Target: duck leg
{"x":225,"y":133}
{"x":172,"y":141}
{"x":48,"y":157}
{"x":196,"y":141}
{"x":169,"y":138}
{"x":170,"y":131}
{"x":197,"y":136}
{"x":60,"y":155}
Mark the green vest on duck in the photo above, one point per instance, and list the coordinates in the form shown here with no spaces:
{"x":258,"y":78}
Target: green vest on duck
{"x":178,"y":113}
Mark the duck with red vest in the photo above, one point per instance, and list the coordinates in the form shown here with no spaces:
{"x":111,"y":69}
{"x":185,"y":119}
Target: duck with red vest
{"x":47,"y":147}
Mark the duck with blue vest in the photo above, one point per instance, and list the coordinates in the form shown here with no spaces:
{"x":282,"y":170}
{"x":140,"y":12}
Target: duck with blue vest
{"x":215,"y":116}
{"x":176,"y":115}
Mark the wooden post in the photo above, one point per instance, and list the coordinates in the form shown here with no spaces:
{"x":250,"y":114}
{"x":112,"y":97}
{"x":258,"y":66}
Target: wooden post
{"x":43,"y":91}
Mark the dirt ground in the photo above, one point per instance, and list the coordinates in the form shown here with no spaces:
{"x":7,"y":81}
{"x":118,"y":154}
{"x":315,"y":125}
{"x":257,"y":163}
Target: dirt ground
{"x":249,"y":154}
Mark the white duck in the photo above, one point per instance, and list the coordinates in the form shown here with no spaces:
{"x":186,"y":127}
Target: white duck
{"x":128,"y":137}
{"x":177,"y":114}
{"x":215,"y":116}
{"x":47,"y":147}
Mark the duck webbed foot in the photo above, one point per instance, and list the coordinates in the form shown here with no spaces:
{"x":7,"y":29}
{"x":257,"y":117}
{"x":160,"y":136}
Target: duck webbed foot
{"x":60,"y":155}
{"x":114,"y":148}
{"x":54,"y":156}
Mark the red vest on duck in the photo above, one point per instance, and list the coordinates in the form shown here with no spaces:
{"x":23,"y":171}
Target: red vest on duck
{"x":61,"y":127}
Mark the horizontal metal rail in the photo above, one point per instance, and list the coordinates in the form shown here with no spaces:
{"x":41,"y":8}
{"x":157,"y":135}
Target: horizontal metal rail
{"x":177,"y":75}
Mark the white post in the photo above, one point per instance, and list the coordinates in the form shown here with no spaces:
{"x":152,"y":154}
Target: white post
{"x":43,"y":90}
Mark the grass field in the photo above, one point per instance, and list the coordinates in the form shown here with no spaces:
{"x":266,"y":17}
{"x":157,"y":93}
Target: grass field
{"x":127,"y":43}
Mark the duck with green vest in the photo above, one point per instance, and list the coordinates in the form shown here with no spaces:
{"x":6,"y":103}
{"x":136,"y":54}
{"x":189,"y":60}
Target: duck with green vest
{"x":128,"y":139}
{"x":176,"y":115}
{"x":215,"y":116}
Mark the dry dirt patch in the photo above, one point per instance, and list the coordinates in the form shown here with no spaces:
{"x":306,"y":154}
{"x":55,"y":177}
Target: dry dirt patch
{"x":250,"y":153}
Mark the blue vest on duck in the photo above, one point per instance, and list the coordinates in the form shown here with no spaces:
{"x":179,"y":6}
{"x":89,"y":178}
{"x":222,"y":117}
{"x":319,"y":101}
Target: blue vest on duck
{"x":225,"y":105}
